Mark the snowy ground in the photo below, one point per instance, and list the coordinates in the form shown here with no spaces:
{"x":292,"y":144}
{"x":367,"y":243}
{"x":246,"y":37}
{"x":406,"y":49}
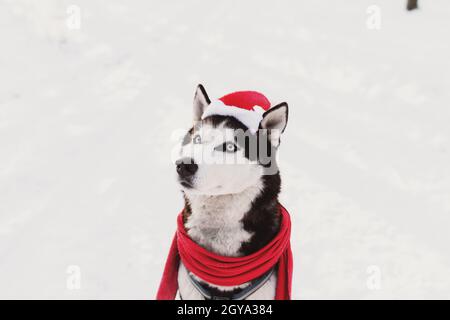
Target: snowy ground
{"x":86,"y":117}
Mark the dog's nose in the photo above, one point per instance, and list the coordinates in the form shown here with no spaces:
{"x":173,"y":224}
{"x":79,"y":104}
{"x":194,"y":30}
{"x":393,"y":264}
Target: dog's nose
{"x":186,"y":167}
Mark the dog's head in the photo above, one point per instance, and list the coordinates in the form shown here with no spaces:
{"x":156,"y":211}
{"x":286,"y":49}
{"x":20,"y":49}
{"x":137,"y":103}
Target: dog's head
{"x":223,"y":155}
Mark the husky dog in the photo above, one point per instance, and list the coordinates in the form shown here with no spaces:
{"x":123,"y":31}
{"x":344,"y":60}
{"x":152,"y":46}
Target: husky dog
{"x":231,"y":208}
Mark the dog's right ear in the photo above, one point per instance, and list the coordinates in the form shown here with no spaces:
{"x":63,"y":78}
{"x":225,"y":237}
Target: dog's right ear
{"x":201,"y":101}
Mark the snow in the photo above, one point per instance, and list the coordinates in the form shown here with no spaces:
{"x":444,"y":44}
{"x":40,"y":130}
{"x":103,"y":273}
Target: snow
{"x":86,"y":133}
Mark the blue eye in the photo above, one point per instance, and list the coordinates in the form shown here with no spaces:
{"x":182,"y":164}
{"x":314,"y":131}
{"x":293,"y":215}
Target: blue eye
{"x":229,"y":147}
{"x":197,"y":139}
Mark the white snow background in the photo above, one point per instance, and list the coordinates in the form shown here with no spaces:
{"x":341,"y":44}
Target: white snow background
{"x":87,"y":115}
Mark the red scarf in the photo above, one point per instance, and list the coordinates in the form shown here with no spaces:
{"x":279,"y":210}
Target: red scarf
{"x":229,"y":271}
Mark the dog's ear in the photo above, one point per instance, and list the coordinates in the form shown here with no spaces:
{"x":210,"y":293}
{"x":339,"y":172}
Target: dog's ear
{"x":274,"y":121}
{"x":201,"y":101}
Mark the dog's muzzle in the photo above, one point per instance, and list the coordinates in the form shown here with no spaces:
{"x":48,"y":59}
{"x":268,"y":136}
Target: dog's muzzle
{"x":186,"y":168}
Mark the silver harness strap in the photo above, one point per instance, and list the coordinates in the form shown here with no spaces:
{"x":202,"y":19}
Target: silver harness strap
{"x":241,"y":295}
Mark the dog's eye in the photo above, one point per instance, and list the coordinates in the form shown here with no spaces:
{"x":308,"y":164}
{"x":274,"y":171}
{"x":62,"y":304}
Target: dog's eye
{"x":197,"y":139}
{"x":227,"y":147}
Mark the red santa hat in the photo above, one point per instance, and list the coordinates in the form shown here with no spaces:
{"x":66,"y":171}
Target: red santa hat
{"x":246,"y":106}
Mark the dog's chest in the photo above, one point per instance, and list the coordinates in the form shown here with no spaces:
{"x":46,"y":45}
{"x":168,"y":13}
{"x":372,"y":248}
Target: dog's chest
{"x":216,"y":223}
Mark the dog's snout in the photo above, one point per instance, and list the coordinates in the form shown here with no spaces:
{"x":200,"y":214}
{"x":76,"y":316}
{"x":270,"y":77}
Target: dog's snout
{"x":186,"y":167}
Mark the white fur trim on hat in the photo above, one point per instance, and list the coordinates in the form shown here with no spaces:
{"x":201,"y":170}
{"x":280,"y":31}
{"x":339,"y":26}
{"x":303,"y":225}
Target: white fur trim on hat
{"x":250,"y":118}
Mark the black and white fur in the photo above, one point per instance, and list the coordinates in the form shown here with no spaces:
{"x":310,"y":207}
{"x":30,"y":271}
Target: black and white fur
{"x":230,"y":210}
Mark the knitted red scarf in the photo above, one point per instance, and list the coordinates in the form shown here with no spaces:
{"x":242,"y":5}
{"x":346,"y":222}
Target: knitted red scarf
{"x":229,"y":271}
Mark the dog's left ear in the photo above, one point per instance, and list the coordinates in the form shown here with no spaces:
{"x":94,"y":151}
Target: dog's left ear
{"x":201,"y":101}
{"x":274,"y":121}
